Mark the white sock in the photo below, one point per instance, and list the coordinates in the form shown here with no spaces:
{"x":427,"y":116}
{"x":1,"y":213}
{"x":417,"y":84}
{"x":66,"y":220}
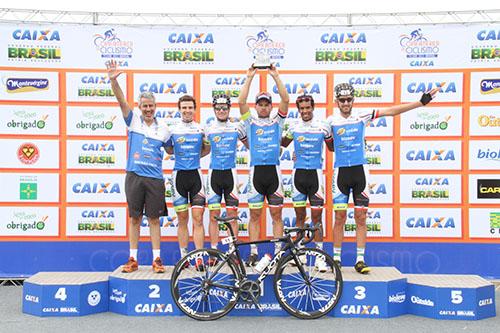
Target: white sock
{"x":254,"y":249}
{"x":214,"y":246}
{"x":319,"y":245}
{"x":336,"y":253}
{"x":156,"y":254}
{"x":184,"y":251}
{"x":277,"y":248}
{"x":360,"y":254}
{"x":133,"y":253}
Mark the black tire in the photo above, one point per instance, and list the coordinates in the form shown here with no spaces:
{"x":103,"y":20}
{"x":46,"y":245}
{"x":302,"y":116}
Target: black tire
{"x":301,"y":300}
{"x":192,"y":288}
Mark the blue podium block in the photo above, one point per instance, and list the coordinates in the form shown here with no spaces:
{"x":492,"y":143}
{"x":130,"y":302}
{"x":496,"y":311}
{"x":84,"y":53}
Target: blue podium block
{"x":379,"y":294}
{"x":58,"y":294}
{"x":465,"y":297}
{"x":141,"y":293}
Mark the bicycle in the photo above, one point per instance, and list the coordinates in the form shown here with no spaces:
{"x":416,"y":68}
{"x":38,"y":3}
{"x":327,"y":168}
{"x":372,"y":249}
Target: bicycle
{"x":209,"y":292}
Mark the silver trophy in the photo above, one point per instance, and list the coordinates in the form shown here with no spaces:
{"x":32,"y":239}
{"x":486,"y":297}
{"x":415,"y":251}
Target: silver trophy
{"x":262,"y":61}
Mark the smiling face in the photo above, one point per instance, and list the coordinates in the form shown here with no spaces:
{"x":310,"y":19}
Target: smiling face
{"x":306,"y":110}
{"x":221,"y":111}
{"x":148,"y":108}
{"x":187,"y":110}
{"x":345,"y":104}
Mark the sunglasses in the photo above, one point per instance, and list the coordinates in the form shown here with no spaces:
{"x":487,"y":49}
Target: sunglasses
{"x":306,"y":98}
{"x":344,"y":100}
{"x":221,"y":108}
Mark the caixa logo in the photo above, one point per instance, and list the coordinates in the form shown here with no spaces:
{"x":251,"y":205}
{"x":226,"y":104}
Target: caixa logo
{"x":487,"y":35}
{"x":430,"y":222}
{"x":191,"y":38}
{"x":106,"y":188}
{"x":164,"y":88}
{"x":300,"y":88}
{"x":379,"y":122}
{"x":431,"y":155}
{"x":343,"y":38}
{"x":490,"y":86}
{"x":370,"y":214}
{"x":39,"y":35}
{"x":230,"y":80}
{"x":432,"y":181}
{"x":422,"y":87}
{"x":98,"y":214}
{"x":366,"y":80}
{"x":98,"y":147}
{"x":375,"y":188}
{"x":88,"y":79}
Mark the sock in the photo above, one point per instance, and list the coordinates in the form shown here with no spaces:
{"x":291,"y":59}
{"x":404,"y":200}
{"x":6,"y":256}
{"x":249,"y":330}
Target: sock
{"x":360,"y":254}
{"x":133,"y":253}
{"x":254,"y":249}
{"x":184,"y":251}
{"x":336,"y":253}
{"x":214,"y":246}
{"x":319,"y":245}
{"x":277,"y":248}
{"x":156,"y":254}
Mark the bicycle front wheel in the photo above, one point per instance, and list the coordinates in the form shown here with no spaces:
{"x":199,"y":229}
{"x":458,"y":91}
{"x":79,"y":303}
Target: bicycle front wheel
{"x":205,"y":284}
{"x":312,"y":293}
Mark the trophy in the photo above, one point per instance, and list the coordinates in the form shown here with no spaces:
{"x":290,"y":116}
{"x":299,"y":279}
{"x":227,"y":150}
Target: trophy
{"x":262,"y":61}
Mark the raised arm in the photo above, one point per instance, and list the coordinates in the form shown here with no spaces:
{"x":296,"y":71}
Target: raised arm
{"x":284,"y":97}
{"x":401,"y":108}
{"x":242,"y":100}
{"x":113,"y":74}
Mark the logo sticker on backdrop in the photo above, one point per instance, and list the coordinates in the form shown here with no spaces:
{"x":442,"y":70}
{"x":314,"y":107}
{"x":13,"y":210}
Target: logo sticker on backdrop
{"x":28,"y":153}
{"x":262,"y":44}
{"x":110,"y":45}
{"x":189,"y":48}
{"x":35,"y":46}
{"x":347,"y":47}
{"x":486,"y":47}
{"x":419,"y":49}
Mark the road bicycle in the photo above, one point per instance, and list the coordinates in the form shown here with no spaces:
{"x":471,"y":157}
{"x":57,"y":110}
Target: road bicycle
{"x":211,"y":290}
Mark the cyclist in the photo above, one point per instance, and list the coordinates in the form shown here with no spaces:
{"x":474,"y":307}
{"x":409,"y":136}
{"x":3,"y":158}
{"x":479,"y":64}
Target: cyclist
{"x":144,"y":186}
{"x":350,"y":171}
{"x":188,"y":145}
{"x":263,"y":135}
{"x":307,"y":178}
{"x":222,"y":181}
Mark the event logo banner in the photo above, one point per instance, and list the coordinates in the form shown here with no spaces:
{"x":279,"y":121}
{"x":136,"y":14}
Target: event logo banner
{"x":229,"y":84}
{"x":29,"y":86}
{"x":167,"y":88}
{"x":95,"y":121}
{"x":431,"y":155}
{"x":34,"y":45}
{"x":29,"y":187}
{"x":485,"y":46}
{"x":413,"y":85}
{"x":92,"y":154}
{"x":484,"y":155}
{"x":380,"y":188}
{"x":430,"y":189}
{"x":189,"y":48}
{"x":379,"y":154}
{"x":298,"y":84}
{"x":419,"y":47}
{"x":29,"y":154}
{"x":429,"y":222}
{"x":484,"y":188}
{"x":432,"y":121}
{"x":369,"y":88}
{"x":484,"y":120}
{"x":96,"y":188}
{"x":341,"y":47}
{"x":378,"y":223}
{"x":29,"y":221}
{"x":484,"y":223}
{"x":485,"y":86}
{"x":93,"y":87}
{"x":96,"y":221}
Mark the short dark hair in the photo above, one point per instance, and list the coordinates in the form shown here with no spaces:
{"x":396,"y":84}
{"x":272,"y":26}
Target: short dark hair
{"x":186,"y":98}
{"x":304,"y":98}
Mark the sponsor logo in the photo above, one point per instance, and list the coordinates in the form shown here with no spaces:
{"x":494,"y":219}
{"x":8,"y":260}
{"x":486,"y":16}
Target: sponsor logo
{"x":348,"y":47}
{"x":367,"y":86}
{"x":20,"y":85}
{"x":419,"y":49}
{"x":431,"y":187}
{"x":398,"y":298}
{"x":373,"y":221}
{"x":495,"y":222}
{"x":26,"y":222}
{"x":229,"y":85}
{"x":430,"y":121}
{"x":164,"y":88}
{"x":31,"y":298}
{"x":420,"y":301}
{"x":189,"y":48}
{"x":27,"y":120}
{"x":488,"y":188}
{"x":109,"y":45}
{"x":300,"y":88}
{"x":97,"y":221}
{"x":101,"y":154}
{"x":486,"y":301}
{"x":488,"y":121}
{"x":261,"y":44}
{"x":462,"y":313}
{"x":488,"y":154}
{"x":28,"y":153}
{"x":105,"y":188}
{"x":61,"y":310}
{"x":95,"y":121}
{"x":94,"y":298}
{"x":35,"y":45}
{"x":430,"y":155}
{"x":264,"y":306}
{"x":154,"y":308}
{"x":94,"y":86}
{"x":118,"y":296}
{"x":430,"y":222}
{"x":486,"y":49}
{"x":28,"y":188}
{"x":490,"y":86}
{"x":422,"y":87}
{"x":360,"y":309}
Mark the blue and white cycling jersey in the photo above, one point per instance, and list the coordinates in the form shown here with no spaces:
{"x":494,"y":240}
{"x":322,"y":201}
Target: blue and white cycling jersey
{"x":264,"y":138}
{"x":308,"y":137}
{"x":349,"y":137}
{"x":144,"y":145}
{"x":223,"y":139}
{"x":187,"y":140}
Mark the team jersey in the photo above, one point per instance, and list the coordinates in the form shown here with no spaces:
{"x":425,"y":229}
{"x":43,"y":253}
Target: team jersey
{"x":308,"y":137}
{"x":223,"y":139}
{"x":264,"y":138}
{"x":144,"y":145}
{"x":187,"y":140}
{"x":349,"y":137}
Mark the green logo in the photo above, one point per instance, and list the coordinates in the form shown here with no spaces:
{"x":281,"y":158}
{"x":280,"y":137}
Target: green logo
{"x":28,"y":191}
{"x":40,"y":124}
{"x":443,"y":125}
{"x":494,"y":220}
{"x":108,"y":125}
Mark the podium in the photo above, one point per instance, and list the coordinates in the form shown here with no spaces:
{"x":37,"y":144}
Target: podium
{"x":58,"y":294}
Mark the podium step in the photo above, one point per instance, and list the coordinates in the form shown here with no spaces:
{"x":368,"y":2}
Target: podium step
{"x":65,"y":293}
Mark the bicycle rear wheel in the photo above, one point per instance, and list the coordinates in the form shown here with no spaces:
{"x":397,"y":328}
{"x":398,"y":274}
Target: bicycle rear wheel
{"x":315,"y":296}
{"x":205,"y":284}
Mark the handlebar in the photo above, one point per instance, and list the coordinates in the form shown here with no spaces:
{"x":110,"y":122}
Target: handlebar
{"x":306,"y":233}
